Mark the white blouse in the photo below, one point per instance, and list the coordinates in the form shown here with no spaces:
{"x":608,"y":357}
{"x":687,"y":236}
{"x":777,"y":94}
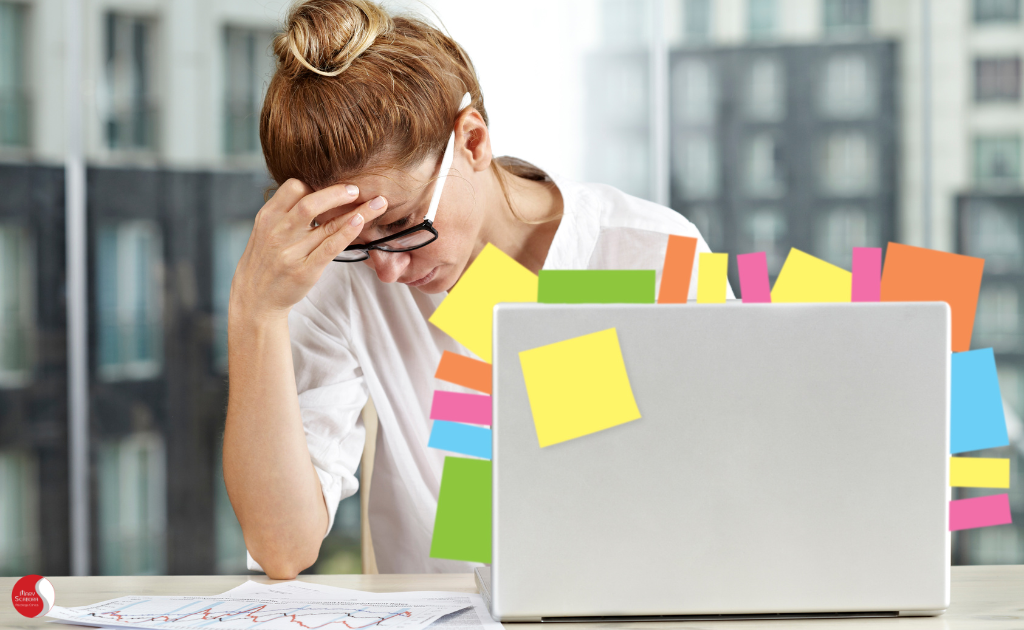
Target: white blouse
{"x":354,"y":336}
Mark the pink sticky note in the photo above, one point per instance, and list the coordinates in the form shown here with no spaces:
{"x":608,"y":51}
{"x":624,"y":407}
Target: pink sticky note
{"x":471,"y":408}
{"x":754,"y":277}
{"x":867,"y":274}
{"x":979,"y":512}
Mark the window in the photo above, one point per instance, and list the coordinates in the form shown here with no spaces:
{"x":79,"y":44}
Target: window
{"x":847,"y":17}
{"x":998,"y":319}
{"x":693,"y":92}
{"x":625,"y":23}
{"x":764,"y":167}
{"x":986,"y":11}
{"x":129,"y":288}
{"x":849,"y":164}
{"x":841,"y":230}
{"x":1010,"y":385}
{"x":761,"y":18}
{"x":17,"y":305}
{"x":132,"y":505}
{"x":997,"y":160}
{"x":709,"y":225}
{"x":995,"y":235}
{"x":697,"y":20}
{"x":19,"y":512}
{"x":997,"y":79}
{"x":697,"y":167}
{"x":128,"y":104}
{"x":766,"y":90}
{"x":847,"y":87}
{"x":229,"y":241}
{"x":14,"y":107}
{"x":622,"y":91}
{"x":624,"y":163}
{"x":247,"y":69}
{"x":767,"y":232}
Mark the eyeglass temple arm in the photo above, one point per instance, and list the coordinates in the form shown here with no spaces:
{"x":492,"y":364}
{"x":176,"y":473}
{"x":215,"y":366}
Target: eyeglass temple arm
{"x":446,"y":164}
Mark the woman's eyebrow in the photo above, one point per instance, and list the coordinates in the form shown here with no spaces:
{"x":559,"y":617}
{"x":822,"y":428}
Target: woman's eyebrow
{"x":378,"y":220}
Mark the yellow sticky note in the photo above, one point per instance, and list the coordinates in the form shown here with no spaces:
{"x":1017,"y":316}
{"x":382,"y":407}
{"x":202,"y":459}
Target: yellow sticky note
{"x":468,"y":311}
{"x":979,"y":472}
{"x":804,"y":278}
{"x":711,"y":282}
{"x":577,"y":387}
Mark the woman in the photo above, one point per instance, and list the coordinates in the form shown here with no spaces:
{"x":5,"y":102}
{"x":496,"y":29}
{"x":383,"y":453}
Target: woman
{"x":354,"y":126}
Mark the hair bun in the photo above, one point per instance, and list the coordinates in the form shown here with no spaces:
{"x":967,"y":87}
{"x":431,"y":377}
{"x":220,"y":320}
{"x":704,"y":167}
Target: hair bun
{"x":326,"y":36}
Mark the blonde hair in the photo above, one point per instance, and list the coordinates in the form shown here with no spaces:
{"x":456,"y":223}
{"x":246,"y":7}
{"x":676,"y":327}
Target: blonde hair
{"x":357,"y":89}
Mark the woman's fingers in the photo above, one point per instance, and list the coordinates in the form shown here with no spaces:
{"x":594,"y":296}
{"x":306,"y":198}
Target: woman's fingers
{"x":314,"y":204}
{"x":337,"y":234}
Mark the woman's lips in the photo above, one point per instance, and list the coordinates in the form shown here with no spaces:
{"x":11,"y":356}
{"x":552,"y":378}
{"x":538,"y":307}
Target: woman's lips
{"x":425,"y":279}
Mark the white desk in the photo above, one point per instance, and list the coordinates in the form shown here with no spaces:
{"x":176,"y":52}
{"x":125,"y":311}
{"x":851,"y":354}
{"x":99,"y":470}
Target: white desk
{"x":983,"y":598}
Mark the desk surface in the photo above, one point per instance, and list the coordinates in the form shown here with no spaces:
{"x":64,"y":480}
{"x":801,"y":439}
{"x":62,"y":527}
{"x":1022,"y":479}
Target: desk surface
{"x":982,"y":597}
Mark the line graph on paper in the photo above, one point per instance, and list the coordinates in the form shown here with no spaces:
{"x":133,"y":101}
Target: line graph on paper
{"x":227,"y":613}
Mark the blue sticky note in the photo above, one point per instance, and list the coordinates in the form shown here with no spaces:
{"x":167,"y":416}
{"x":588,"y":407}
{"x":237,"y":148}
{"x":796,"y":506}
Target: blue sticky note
{"x":462,"y":438}
{"x":976,"y":406}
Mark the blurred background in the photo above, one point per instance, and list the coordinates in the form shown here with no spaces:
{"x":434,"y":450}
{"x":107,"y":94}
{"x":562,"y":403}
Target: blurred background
{"x":816,"y":124}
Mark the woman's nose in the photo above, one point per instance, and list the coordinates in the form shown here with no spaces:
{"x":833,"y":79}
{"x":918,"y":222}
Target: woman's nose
{"x":388,"y":265}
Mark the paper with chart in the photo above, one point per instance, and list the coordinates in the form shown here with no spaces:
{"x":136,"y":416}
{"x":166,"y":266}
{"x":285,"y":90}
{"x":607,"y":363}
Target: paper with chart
{"x":473,"y":615}
{"x":271,"y":610}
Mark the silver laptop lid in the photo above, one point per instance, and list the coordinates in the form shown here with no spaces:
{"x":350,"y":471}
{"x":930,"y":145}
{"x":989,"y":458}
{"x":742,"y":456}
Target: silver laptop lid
{"x":790,"y":459}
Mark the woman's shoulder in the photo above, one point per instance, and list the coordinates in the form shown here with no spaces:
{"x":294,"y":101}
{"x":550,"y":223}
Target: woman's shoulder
{"x":608,"y":208}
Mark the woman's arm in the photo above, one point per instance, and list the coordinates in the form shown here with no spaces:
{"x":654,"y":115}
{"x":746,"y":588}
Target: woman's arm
{"x":269,"y":475}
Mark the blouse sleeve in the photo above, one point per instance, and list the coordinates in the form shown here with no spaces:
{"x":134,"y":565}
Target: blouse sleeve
{"x":332,"y":393}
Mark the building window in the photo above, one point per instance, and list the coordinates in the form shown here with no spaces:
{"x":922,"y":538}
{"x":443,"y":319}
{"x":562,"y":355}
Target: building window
{"x":625,"y":23}
{"x":14,"y":109}
{"x":229,"y":241}
{"x":129,"y":100}
{"x":847,"y":87}
{"x":767,"y":232}
{"x":841,"y":230}
{"x":697,"y":167}
{"x":847,"y":17}
{"x":997,"y":79}
{"x":697,"y":20}
{"x":995,"y":235}
{"x":17,"y":305}
{"x":997,"y":160}
{"x":623,"y":162}
{"x":709,"y":224}
{"x":693,"y":91}
{"x":998,"y":324}
{"x":761,"y":20}
{"x":764,"y":172}
{"x":849,"y":164}
{"x":129,"y":288}
{"x":132,"y":505}
{"x":1010,"y":386}
{"x":621,"y":91}
{"x":19,"y":513}
{"x":247,"y":69}
{"x":766,"y":92}
{"x":986,"y":11}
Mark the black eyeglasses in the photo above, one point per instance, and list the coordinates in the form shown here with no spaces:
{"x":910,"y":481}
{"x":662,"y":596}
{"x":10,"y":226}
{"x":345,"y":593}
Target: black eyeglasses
{"x":419,"y":235}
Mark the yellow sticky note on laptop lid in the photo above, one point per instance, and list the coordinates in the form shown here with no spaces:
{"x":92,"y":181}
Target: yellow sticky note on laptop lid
{"x":467,"y":313}
{"x":577,"y":387}
{"x":804,"y":278}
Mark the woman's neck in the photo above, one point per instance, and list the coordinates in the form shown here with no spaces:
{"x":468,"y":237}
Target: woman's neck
{"x":525,"y":229}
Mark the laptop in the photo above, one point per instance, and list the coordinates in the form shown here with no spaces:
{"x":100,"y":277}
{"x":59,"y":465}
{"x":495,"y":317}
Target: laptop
{"x":791,"y":461}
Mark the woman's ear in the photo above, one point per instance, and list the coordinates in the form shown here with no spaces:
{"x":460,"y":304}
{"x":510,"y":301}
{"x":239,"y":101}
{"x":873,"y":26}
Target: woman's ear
{"x":472,"y":141}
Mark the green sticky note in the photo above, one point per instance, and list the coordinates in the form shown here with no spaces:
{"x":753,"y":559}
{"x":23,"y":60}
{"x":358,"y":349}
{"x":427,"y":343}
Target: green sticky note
{"x":462,"y":527}
{"x":596,"y":286}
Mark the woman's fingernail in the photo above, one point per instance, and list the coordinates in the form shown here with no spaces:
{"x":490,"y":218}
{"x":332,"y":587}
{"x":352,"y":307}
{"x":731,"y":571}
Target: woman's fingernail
{"x":356,"y":220}
{"x":352,"y":190}
{"x":377,"y":203}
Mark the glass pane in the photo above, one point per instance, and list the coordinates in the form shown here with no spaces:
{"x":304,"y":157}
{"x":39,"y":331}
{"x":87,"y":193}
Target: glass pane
{"x":230,"y":239}
{"x":997,"y":160}
{"x":996,"y":11}
{"x":997,"y":79}
{"x":14,"y":98}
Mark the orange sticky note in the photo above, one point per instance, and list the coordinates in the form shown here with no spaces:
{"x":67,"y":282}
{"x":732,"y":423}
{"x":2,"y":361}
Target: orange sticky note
{"x":675,"y":275}
{"x":464,"y":371}
{"x":915,"y":274}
